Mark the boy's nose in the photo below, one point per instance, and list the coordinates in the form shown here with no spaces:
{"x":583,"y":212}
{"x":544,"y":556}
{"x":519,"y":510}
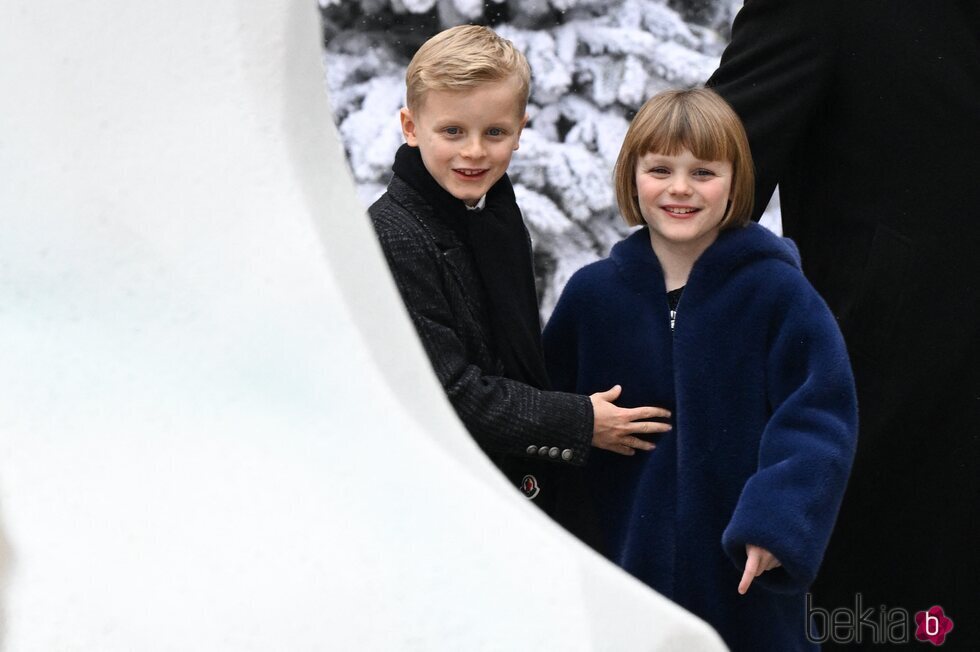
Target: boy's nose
{"x":474,"y":148}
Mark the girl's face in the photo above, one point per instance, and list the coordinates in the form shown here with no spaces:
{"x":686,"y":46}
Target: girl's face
{"x":682,"y":199}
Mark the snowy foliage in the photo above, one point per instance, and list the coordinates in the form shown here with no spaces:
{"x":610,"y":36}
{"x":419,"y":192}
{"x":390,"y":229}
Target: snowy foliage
{"x":594,"y":63}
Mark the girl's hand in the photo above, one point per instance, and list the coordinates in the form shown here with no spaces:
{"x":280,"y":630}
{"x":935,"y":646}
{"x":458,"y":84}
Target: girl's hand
{"x":758,"y":561}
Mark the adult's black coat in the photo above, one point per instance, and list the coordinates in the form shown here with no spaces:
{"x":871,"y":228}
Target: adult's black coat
{"x":867,"y":115}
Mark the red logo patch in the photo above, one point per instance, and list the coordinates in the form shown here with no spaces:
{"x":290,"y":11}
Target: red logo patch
{"x":529,"y":485}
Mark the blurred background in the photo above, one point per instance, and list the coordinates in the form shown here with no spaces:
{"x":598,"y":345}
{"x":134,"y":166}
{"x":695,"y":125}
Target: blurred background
{"x":594,"y":62}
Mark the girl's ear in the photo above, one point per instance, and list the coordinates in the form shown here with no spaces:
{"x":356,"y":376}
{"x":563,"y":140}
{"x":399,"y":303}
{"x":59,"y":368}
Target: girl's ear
{"x":408,"y":127}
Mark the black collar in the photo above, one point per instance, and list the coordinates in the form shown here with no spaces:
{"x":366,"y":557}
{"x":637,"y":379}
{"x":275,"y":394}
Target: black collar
{"x":501,"y":249}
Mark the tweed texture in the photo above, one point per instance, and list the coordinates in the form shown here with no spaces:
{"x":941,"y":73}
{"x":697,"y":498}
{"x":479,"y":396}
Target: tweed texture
{"x":764,"y":415}
{"x":437,"y":279}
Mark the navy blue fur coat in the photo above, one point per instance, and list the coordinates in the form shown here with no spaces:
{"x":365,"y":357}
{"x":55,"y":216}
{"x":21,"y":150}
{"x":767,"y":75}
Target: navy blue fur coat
{"x":764,"y":424}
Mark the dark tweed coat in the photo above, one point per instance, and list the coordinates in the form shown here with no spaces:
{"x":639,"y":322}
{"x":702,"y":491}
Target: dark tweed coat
{"x":524,"y":430}
{"x":765,"y":424}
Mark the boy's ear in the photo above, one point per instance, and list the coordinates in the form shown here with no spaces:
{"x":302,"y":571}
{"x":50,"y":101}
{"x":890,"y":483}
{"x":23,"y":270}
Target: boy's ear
{"x":520,"y":130}
{"x":408,"y":127}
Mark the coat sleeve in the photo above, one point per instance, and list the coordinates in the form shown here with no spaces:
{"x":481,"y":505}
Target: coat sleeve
{"x":776,"y":73}
{"x":789,"y":505}
{"x":503,"y":415}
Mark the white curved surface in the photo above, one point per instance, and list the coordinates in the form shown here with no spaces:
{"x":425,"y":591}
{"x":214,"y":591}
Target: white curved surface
{"x":212,"y":435}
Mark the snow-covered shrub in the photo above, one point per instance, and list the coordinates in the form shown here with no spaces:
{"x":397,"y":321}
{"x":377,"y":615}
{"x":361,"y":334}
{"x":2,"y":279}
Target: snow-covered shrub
{"x":594,"y":63}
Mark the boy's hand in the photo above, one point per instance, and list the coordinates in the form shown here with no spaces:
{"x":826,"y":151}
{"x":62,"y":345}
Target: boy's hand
{"x":615,"y":428}
{"x":759,"y":560}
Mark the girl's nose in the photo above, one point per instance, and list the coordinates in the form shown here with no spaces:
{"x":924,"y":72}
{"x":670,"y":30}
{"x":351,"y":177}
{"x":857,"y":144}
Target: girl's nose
{"x":679,"y":186}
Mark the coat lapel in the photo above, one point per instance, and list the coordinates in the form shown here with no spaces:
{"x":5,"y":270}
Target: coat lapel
{"x":450,"y":248}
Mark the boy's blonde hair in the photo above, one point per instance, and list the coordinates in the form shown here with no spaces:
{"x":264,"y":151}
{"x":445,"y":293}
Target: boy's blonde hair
{"x":462,"y":57}
{"x":697,"y":120}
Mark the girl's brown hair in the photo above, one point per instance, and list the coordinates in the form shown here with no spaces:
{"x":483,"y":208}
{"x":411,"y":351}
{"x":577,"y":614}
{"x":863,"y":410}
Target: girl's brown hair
{"x":697,"y":120}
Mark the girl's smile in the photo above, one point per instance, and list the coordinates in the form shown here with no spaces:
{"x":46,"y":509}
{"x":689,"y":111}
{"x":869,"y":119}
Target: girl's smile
{"x":683,"y":200}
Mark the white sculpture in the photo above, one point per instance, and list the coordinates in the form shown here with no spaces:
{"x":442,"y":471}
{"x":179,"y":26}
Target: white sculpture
{"x":217,"y":429}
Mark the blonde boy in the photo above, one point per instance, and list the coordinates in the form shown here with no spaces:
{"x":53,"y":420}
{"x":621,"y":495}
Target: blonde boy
{"x":461,"y":256}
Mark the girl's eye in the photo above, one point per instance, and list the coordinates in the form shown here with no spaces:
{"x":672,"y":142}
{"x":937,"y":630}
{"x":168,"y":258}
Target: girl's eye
{"x":702,"y":172}
{"x":452,"y":131}
{"x":659,"y":170}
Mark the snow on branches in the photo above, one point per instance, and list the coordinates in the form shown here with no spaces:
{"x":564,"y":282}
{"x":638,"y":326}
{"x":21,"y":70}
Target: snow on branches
{"x":594,"y":63}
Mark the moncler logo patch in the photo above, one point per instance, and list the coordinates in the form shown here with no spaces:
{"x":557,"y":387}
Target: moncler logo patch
{"x":529,"y":485}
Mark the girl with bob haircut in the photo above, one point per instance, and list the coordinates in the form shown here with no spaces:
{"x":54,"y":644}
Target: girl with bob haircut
{"x":709,"y":315}
{"x":698,"y":120}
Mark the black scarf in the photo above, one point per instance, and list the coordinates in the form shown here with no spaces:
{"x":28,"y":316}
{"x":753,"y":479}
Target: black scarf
{"x":498,"y":240}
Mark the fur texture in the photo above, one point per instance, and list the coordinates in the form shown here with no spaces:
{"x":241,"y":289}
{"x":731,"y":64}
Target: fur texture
{"x":765,"y":424}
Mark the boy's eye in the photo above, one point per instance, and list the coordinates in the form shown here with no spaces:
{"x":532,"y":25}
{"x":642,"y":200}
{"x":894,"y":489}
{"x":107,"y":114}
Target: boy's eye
{"x":495,"y":131}
{"x":452,"y":131}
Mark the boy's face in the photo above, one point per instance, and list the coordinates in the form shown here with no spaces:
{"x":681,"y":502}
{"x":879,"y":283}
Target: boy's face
{"x":467,"y":137}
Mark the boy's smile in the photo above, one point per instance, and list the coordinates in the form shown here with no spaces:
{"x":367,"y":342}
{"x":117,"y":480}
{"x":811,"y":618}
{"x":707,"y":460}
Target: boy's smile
{"x":467,"y":137}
